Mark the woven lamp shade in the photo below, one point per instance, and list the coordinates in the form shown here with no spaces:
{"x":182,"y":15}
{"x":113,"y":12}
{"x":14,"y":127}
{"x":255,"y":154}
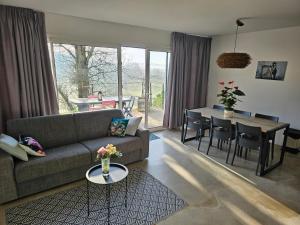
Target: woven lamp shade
{"x":234,"y":60}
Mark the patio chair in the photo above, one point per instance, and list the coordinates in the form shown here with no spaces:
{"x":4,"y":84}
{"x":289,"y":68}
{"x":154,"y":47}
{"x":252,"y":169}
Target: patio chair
{"x":105,"y":104}
{"x":127,"y":108}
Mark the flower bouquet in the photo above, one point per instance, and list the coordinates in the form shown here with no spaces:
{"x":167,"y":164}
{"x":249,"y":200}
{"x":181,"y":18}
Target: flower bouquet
{"x":105,"y":154}
{"x":228,"y":97}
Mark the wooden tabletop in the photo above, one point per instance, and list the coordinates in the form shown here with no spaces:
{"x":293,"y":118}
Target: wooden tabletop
{"x":266,"y":125}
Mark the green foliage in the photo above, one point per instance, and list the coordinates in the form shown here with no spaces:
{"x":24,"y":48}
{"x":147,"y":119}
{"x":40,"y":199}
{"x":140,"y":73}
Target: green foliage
{"x":228,"y":95}
{"x":158,"y":100}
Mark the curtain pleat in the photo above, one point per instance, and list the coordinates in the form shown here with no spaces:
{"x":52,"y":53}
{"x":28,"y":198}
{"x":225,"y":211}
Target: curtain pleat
{"x":188,"y":76}
{"x":27,"y":87}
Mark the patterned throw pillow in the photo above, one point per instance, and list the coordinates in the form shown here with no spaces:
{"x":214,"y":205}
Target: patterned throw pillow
{"x":31,"y":146}
{"x":118,"y":126}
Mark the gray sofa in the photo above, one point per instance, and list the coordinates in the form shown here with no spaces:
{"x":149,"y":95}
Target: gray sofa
{"x":70,"y":142}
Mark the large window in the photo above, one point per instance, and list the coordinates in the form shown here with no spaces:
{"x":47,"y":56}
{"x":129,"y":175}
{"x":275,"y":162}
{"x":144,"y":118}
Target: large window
{"x":89,"y":78}
{"x":83,"y":72}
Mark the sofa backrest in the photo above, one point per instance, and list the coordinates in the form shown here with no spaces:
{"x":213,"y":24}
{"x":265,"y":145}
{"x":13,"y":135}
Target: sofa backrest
{"x":50,"y":131}
{"x":91,"y":125}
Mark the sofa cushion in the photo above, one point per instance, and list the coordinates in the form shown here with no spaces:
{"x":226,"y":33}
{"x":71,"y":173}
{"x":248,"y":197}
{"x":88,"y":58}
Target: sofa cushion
{"x":91,"y":125}
{"x":50,"y":131}
{"x":58,"y":160}
{"x":124,"y":144}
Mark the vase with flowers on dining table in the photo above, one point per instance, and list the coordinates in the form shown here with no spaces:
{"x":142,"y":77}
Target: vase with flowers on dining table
{"x":105,"y":154}
{"x":229,"y":97}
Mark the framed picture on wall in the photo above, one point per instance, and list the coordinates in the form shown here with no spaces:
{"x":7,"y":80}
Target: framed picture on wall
{"x":271,"y":70}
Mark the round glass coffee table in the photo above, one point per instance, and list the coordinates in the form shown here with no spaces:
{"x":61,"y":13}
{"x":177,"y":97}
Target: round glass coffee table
{"x":117,"y":173}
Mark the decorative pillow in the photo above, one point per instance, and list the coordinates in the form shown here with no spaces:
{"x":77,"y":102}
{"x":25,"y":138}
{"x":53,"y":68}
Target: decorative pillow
{"x":118,"y":126}
{"x":10,"y":145}
{"x":31,"y":146}
{"x":133,"y":125}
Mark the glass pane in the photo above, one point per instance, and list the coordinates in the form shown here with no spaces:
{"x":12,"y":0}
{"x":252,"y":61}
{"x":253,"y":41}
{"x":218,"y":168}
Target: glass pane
{"x":133,"y":79}
{"x":87,"y":77}
{"x":158,"y":75}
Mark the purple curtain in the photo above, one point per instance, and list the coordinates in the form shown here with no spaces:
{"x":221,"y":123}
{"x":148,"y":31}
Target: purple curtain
{"x":188,"y":77}
{"x":27,"y":87}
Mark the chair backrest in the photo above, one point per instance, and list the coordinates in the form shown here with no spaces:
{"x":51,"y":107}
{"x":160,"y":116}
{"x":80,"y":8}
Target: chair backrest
{"x":128,"y":105}
{"x":221,"y":128}
{"x":267,"y":117}
{"x":109,"y":103}
{"x":248,"y":136}
{"x":193,"y":119}
{"x":218,"y":107}
{"x":244,"y":113}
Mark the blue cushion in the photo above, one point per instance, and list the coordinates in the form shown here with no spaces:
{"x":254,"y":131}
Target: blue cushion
{"x":118,"y":126}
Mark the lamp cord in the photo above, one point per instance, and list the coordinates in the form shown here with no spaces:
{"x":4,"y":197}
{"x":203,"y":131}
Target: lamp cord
{"x":236,"y":32}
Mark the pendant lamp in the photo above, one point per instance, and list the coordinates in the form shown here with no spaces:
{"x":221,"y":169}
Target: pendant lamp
{"x":234,"y":59}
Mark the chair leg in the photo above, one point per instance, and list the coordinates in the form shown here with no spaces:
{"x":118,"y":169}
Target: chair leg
{"x":246,"y":153}
{"x":235,"y":148}
{"x":228,"y":150}
{"x":218,"y":146}
{"x":210,"y":143}
{"x":200,"y":138}
{"x":240,"y":151}
{"x":272,"y":152}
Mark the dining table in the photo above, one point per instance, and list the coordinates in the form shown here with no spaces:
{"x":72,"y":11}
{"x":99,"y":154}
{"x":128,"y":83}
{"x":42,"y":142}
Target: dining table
{"x":267,"y":126}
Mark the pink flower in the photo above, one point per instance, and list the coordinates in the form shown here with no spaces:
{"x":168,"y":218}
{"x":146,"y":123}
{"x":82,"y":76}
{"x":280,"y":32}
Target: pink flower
{"x":221,"y":82}
{"x":102,"y":151}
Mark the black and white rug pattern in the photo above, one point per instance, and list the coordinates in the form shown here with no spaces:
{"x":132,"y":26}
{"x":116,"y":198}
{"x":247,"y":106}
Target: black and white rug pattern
{"x":149,"y":201}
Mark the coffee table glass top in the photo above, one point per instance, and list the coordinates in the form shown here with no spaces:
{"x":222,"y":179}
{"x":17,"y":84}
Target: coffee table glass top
{"x":117,"y":173}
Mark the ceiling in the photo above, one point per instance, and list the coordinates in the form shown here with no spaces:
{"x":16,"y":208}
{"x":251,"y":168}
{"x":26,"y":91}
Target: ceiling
{"x":201,"y":17}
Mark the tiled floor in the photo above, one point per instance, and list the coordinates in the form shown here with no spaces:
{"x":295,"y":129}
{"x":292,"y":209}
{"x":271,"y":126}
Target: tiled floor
{"x":216,"y":192}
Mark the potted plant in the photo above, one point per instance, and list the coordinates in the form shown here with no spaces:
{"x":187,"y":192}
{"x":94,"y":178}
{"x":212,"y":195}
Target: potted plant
{"x":229,"y":97}
{"x":105,"y":154}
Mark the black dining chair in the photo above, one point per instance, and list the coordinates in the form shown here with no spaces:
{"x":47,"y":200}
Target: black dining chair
{"x":248,"y":137}
{"x":223,"y":131}
{"x":244,"y":113}
{"x":218,"y":107}
{"x":196,"y":121}
{"x":272,"y":134}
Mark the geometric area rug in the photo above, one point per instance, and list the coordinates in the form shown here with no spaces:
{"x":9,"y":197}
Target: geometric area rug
{"x":149,"y":201}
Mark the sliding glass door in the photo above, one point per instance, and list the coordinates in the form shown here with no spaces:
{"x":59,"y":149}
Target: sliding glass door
{"x":157,"y":86}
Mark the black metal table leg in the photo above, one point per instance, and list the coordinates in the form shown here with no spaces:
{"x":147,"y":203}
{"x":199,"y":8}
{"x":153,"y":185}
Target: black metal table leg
{"x":182,"y":127}
{"x":126,"y":192}
{"x":108,"y":202}
{"x":88,"y":197}
{"x":264,"y":153}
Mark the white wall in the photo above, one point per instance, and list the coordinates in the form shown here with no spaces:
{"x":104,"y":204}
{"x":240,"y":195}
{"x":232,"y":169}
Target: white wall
{"x":85,"y":31}
{"x":281,"y":98}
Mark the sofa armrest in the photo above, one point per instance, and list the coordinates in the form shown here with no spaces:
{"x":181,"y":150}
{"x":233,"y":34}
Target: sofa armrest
{"x":8,"y":188}
{"x":144,"y":135}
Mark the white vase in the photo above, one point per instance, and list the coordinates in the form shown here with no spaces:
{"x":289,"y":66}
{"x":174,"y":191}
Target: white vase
{"x":228,"y":113}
